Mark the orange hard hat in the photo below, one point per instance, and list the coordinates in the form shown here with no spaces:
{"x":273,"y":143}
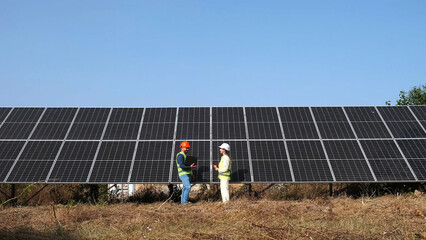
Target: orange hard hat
{"x":185,"y":144}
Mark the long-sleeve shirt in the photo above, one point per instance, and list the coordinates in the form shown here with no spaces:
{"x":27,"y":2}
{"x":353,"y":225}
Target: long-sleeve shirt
{"x":181,"y":161}
{"x":225,"y":161}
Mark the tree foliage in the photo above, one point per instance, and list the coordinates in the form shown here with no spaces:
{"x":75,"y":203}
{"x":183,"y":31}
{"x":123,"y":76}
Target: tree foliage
{"x":416,"y":96}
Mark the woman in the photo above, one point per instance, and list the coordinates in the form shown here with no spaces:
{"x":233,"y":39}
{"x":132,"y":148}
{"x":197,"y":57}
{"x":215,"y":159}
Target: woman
{"x":224,"y":170}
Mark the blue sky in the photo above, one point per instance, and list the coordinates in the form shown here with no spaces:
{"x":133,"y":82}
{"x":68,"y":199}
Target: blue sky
{"x":210,"y":53}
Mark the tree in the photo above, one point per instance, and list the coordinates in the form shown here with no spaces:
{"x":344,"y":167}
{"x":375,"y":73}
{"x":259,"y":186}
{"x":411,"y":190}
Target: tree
{"x":416,"y":96}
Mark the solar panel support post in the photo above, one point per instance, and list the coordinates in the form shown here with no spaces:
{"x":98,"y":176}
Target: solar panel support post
{"x":397,"y":145}
{"x":35,"y":194}
{"x":100,"y":194}
{"x":331,"y":189}
{"x":14,"y":201}
{"x":94,"y":193}
{"x":249,"y":188}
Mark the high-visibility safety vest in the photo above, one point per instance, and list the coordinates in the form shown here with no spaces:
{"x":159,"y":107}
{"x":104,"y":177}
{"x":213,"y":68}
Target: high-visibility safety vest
{"x":180,"y":170}
{"x":225,"y":175}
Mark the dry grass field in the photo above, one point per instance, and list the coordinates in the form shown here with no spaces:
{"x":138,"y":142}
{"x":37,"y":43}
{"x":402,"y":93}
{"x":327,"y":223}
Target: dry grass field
{"x":387,"y":217}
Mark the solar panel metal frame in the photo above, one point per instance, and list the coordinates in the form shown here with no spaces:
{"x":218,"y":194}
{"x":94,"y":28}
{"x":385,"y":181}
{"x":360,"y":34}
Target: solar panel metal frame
{"x":247,"y":139}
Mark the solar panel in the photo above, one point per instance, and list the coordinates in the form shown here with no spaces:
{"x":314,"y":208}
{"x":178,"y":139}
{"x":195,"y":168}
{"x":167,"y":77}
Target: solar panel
{"x":420,"y":113}
{"x":332,"y":123}
{"x":40,"y":150}
{"x":58,"y":115}
{"x":20,"y":123}
{"x":190,"y":131}
{"x":270,"y":162}
{"x":228,"y":114}
{"x":415,"y":152}
{"x":86,"y":131}
{"x":228,"y":123}
{"x":9,"y":151}
{"x":3,"y":113}
{"x":74,"y":162}
{"x":347,"y":161}
{"x":5,"y":166}
{"x":92,"y":115}
{"x":79,"y":151}
{"x":21,"y":115}
{"x":367,"y":122}
{"x":263,"y":123}
{"x":199,"y":114}
{"x":298,"y":123}
{"x":268,"y":144}
{"x":153,"y":151}
{"x":124,"y":124}
{"x":74,"y":171}
{"x":113,"y":162}
{"x":16,"y":130}
{"x":126,"y":115}
{"x":386,"y":160}
{"x":229,"y":131}
{"x":29,"y":171}
{"x":122,"y":131}
{"x":160,"y":115}
{"x":152,"y":162}
{"x":401,"y":122}
{"x":51,"y":131}
{"x":410,"y":129}
{"x":110,"y":171}
{"x":309,"y":161}
{"x":157,"y":131}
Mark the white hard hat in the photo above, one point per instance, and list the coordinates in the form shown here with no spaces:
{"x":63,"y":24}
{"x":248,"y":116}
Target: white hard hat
{"x":225,"y":146}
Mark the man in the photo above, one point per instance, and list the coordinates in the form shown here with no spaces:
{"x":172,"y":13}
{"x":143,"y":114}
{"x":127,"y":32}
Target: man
{"x":185,"y":172}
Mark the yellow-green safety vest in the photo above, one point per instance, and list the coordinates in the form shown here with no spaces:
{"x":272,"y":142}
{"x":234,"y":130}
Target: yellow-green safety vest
{"x":225,"y":175}
{"x":180,"y":170}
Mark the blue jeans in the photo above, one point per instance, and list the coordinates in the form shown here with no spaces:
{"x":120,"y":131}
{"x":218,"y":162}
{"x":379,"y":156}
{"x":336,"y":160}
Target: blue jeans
{"x":186,"y":188}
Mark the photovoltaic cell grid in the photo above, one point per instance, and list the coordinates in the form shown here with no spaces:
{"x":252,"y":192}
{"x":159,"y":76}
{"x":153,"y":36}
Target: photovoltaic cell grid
{"x":104,"y":145}
{"x":124,"y":124}
{"x":401,"y":122}
{"x":297,"y":123}
{"x":332,"y":123}
{"x":420,"y":113}
{"x":367,"y":123}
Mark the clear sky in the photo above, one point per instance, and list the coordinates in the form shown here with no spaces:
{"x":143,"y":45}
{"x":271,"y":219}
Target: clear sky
{"x":210,"y":53}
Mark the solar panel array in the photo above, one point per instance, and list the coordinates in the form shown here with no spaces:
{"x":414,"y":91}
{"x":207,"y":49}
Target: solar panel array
{"x":268,"y":144}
